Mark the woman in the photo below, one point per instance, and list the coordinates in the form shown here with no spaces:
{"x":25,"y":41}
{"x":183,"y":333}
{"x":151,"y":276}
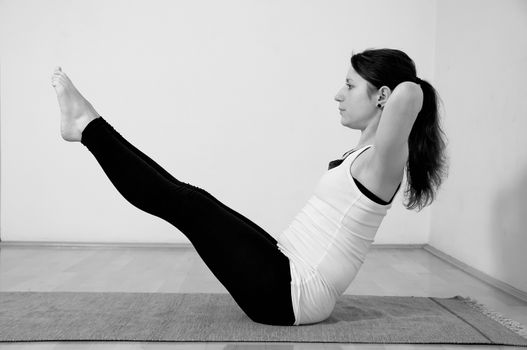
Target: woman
{"x":297,"y":279}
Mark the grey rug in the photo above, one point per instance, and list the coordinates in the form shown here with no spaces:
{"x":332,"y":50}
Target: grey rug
{"x":85,"y":316}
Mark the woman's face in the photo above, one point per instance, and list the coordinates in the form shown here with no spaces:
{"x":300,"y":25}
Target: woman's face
{"x":356,"y":108}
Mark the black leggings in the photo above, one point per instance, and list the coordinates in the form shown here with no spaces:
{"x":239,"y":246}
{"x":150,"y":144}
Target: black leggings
{"x":242,"y":256}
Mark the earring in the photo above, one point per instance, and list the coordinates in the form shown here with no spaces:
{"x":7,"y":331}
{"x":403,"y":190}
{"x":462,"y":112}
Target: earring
{"x":378,"y":105}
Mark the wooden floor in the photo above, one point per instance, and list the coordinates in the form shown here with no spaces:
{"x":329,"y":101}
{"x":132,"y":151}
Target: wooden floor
{"x":386,"y":271}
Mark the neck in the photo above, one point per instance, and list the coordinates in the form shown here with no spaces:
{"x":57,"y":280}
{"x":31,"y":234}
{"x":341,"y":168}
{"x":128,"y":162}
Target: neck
{"x":367,"y":136}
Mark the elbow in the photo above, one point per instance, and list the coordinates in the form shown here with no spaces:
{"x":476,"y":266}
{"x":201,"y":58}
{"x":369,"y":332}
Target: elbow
{"x":414,"y":95}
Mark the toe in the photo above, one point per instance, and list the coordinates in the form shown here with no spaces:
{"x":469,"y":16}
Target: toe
{"x":57,"y":81}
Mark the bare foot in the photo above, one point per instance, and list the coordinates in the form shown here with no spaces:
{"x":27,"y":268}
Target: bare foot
{"x":75,"y":111}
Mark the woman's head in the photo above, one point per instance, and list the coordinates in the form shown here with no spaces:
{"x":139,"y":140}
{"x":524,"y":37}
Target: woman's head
{"x":370,"y":80}
{"x":358,"y":102}
{"x":374,"y":74}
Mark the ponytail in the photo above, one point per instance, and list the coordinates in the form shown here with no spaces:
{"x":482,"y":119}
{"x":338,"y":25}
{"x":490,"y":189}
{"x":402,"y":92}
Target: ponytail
{"x":426,"y":165}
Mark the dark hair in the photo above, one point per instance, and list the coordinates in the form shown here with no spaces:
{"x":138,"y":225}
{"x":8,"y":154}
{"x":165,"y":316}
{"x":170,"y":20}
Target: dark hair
{"x":427,"y":160}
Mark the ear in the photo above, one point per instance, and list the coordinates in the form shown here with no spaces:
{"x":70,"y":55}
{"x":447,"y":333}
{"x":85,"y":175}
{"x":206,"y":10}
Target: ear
{"x":383,"y":94}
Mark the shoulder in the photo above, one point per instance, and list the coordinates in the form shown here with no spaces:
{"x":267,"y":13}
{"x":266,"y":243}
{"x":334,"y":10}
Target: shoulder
{"x":390,"y":169}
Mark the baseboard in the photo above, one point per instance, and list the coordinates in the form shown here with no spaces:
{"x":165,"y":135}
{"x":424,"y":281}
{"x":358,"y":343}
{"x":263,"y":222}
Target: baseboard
{"x":103,"y":245}
{"x":396,"y":246}
{"x":507,"y":288}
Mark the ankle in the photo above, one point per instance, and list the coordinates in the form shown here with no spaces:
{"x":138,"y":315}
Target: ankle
{"x":83,"y":123}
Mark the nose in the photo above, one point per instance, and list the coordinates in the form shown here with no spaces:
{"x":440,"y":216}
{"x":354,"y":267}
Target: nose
{"x":339,"y":97}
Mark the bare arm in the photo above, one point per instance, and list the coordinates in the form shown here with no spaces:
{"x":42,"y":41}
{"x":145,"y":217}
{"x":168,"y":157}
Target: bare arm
{"x":397,"y":119}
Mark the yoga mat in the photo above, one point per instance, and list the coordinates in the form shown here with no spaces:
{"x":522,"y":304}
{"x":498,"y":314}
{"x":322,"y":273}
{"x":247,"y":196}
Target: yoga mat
{"x":203,"y":317}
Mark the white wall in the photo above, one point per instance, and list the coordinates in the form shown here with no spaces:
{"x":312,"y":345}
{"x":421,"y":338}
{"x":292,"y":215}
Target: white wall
{"x":481,"y":215}
{"x":235,"y":97}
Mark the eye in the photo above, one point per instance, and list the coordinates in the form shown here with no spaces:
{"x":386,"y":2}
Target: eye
{"x":349,"y":86}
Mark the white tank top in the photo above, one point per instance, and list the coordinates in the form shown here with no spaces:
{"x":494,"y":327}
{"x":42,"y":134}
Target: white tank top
{"x":327,"y":241}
